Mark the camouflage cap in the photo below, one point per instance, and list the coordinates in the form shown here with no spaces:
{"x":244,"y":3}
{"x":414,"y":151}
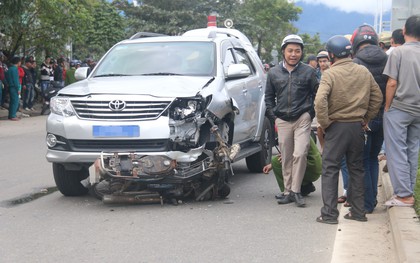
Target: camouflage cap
{"x":385,"y":37}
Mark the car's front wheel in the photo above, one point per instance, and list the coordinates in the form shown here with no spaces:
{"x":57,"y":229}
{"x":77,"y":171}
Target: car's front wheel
{"x":68,"y":182}
{"x":257,"y":161}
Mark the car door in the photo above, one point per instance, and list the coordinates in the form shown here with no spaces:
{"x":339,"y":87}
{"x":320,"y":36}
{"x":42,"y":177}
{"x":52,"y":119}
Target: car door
{"x":236,"y":89}
{"x":252,"y":93}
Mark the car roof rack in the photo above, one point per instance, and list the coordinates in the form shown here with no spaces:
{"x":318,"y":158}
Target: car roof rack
{"x":146,"y":34}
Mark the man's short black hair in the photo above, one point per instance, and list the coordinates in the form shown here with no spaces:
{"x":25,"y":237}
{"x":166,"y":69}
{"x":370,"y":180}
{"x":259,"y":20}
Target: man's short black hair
{"x":15,"y":60}
{"x":412,"y":26}
{"x":398,"y":36}
{"x":310,"y":58}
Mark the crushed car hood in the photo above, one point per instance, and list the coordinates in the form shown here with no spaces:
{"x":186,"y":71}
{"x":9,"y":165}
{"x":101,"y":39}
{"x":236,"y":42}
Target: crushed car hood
{"x":158,"y":86}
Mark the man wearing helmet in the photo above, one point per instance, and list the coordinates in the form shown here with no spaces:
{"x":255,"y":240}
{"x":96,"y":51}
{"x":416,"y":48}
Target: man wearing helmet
{"x":323,"y":63}
{"x":348,"y":97}
{"x":366,"y":52}
{"x":291,"y":88}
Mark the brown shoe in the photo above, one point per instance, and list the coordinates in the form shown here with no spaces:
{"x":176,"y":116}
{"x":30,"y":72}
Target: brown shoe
{"x":14,"y":119}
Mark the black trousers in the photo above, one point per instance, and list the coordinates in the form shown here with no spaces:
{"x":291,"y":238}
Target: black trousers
{"x":343,"y":139}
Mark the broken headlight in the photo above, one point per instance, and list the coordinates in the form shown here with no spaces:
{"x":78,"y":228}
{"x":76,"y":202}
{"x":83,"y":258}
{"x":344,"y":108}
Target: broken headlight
{"x":185,"y":108}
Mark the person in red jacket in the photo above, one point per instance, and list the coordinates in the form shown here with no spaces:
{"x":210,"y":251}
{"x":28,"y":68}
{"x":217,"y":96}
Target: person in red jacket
{"x":21,"y":72}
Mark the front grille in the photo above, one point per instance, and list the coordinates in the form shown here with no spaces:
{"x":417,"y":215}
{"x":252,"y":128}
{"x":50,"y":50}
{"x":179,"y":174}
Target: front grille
{"x":134,"y":110}
{"x":119,"y":145}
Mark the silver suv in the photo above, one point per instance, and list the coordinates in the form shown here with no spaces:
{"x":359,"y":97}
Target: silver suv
{"x":167,"y":114}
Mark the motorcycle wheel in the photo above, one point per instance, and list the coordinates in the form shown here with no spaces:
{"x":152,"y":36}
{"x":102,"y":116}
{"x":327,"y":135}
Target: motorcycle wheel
{"x":224,"y":191}
{"x":104,"y":187}
{"x":45,"y":107}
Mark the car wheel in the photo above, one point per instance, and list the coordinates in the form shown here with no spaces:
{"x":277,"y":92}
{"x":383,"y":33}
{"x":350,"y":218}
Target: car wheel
{"x":257,"y":161}
{"x":68,"y":182}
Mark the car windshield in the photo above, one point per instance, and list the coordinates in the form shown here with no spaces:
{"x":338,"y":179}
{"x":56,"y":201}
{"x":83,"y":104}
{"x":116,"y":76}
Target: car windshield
{"x":159,"y":58}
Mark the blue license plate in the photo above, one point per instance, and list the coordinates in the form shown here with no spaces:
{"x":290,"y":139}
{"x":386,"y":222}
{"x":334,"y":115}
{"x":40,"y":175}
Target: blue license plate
{"x":116,"y":131}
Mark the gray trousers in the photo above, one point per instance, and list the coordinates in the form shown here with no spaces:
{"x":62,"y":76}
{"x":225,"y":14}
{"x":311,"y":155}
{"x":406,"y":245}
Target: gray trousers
{"x":343,"y":139}
{"x":402,"y":136}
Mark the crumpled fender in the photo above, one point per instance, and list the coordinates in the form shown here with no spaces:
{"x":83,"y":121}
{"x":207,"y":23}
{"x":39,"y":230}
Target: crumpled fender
{"x":221,"y":105}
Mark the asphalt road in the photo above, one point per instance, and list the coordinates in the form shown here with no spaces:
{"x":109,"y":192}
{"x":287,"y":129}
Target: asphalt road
{"x":249,"y":226}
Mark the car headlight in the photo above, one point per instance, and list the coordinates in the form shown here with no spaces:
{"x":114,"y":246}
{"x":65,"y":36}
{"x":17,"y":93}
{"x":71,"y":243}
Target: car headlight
{"x":61,"y":106}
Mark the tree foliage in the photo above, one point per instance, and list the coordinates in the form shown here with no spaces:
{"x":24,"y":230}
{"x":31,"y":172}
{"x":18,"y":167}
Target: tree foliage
{"x":41,"y":25}
{"x":107,"y":27}
{"x":312,"y":44}
{"x":266,"y":22}
{"x":174,"y":17}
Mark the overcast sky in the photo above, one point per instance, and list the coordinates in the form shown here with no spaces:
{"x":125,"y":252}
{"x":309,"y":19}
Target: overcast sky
{"x":360,"y":6}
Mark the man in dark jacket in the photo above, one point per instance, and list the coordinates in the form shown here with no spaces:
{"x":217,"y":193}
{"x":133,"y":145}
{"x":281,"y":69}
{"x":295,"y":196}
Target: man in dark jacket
{"x":28,"y":86}
{"x":58,"y":72}
{"x":367,"y":53}
{"x":289,"y":96}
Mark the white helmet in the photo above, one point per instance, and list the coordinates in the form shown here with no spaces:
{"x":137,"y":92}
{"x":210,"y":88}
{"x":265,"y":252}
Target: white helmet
{"x":322,"y":54}
{"x":292,"y":39}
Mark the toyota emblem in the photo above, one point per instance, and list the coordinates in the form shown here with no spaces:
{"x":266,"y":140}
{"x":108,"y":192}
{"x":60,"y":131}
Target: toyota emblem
{"x":117,"y":105}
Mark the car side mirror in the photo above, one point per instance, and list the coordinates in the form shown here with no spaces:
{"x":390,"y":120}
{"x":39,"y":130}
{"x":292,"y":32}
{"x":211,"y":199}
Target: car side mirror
{"x":81,"y":73}
{"x":238,"y":71}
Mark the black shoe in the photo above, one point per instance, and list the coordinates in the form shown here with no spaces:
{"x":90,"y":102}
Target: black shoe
{"x":299,"y":200}
{"x":307,"y":189}
{"x":351,"y":217}
{"x":279,"y":196}
{"x":287,"y":199}
{"x":320,"y":219}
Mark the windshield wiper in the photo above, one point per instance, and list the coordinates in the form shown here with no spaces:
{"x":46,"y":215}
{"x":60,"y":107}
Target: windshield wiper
{"x":162,"y":74}
{"x":111,"y":75}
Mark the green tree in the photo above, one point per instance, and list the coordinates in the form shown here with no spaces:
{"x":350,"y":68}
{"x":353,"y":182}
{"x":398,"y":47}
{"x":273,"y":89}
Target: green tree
{"x":174,"y":17}
{"x":166,"y":17}
{"x":41,"y":25}
{"x":266,"y":22}
{"x":312,"y":44}
{"x":107,"y":28}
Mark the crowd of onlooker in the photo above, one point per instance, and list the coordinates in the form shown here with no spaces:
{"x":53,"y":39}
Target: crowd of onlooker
{"x":364,"y":90}
{"x":23,"y":83}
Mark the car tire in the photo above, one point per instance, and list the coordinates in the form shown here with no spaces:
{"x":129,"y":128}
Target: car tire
{"x":68,"y":182}
{"x":257,"y":161}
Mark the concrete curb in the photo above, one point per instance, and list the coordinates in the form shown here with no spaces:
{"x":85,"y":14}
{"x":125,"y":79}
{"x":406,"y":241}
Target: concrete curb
{"x":4,"y":112}
{"x":405,"y":225}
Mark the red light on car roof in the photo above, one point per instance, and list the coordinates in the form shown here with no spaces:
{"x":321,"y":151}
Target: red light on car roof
{"x":211,"y":21}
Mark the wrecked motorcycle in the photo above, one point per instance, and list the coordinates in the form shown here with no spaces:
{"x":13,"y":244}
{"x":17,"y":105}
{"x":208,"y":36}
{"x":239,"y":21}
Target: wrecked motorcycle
{"x":202,"y":173}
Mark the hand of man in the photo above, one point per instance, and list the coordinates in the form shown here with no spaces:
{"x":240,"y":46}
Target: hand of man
{"x":267,"y":168}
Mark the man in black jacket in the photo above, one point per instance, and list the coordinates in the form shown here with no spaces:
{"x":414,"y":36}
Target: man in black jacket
{"x":289,"y":97}
{"x":367,"y":53}
{"x":28,"y":85}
